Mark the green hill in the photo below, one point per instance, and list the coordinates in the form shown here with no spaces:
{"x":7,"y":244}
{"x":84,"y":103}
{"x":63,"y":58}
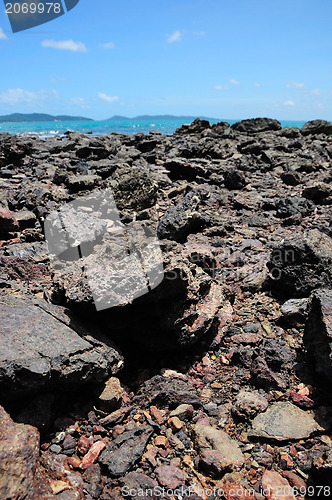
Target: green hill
{"x":40,"y":117}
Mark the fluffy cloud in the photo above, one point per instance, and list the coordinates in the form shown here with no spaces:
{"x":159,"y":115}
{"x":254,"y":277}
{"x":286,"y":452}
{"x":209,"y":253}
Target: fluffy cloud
{"x":289,"y":103}
{"x":315,"y":92}
{"x":234,"y":82}
{"x":108,"y":98}
{"x":220,"y":87}
{"x":3,"y":36}
{"x":108,"y":45}
{"x":174,"y":37}
{"x":65,"y":45}
{"x":21,"y":96}
{"x":295,"y":85}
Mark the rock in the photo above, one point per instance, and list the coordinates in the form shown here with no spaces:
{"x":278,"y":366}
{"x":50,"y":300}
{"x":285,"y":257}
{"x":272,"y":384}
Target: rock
{"x":249,"y":404}
{"x":82,"y":182}
{"x":215,"y":463}
{"x":111,"y":394}
{"x":275,"y":487}
{"x":170,"y":477}
{"x":301,"y":264}
{"x":124,"y":451}
{"x":255,"y":125}
{"x":92,"y":480}
{"x":315,"y":127}
{"x":291,"y":178}
{"x":284,"y":421}
{"x":235,"y":491}
{"x":295,"y":309}
{"x":318,"y":331}
{"x":166,"y":391}
{"x":208,"y":438}
{"x":183,"y":411}
{"x":20,"y":473}
{"x":92,"y":454}
{"x":8,"y":224}
{"x":133,"y":189}
{"x":317,"y":192}
{"x":196,"y":127}
{"x":292,"y":205}
{"x":234,"y":179}
{"x":180,"y":220}
{"x":138,"y":483}
{"x":38,"y":350}
{"x":26,"y":219}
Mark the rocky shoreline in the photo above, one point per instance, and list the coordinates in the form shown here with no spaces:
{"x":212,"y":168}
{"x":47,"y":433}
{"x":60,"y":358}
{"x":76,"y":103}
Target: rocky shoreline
{"x":214,"y":384}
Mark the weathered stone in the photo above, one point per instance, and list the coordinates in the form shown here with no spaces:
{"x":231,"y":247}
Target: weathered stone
{"x":82,"y":182}
{"x":255,"y":125}
{"x":20,"y":473}
{"x":38,"y":350}
{"x":111,"y":394}
{"x":234,"y":179}
{"x":133,"y":189}
{"x":300,"y":264}
{"x":317,"y":127}
{"x":293,"y":205}
{"x":8,"y":224}
{"x":196,"y":127}
{"x":170,"y":477}
{"x":179,"y":220}
{"x":139,"y":483}
{"x":284,"y":421}
{"x":209,"y":438}
{"x":248,"y":404}
{"x":318,"y":331}
{"x":124,"y":451}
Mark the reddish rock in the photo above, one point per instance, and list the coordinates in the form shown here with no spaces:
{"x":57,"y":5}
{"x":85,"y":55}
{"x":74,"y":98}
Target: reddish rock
{"x":249,"y":404}
{"x":92,"y":454}
{"x":8,"y":223}
{"x":235,"y":491}
{"x":275,"y":487}
{"x":111,"y":394}
{"x":20,"y":472}
{"x":116,"y":417}
{"x":170,"y":477}
{"x":83,"y":445}
{"x":295,"y":481}
{"x":157,"y":415}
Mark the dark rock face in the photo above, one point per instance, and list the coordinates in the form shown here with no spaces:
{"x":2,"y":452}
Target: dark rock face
{"x":37,"y":349}
{"x":318,"y":331}
{"x":255,"y":125}
{"x":179,"y":220}
{"x":20,"y":473}
{"x":196,"y":127}
{"x":234,"y":179}
{"x":133,"y":189}
{"x":125,"y":450}
{"x":301,"y":264}
{"x":316,"y":127}
{"x":286,"y":207}
{"x":8,"y":223}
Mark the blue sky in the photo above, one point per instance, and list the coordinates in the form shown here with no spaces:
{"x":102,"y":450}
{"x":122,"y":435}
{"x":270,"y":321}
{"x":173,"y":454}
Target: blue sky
{"x":216,"y":58}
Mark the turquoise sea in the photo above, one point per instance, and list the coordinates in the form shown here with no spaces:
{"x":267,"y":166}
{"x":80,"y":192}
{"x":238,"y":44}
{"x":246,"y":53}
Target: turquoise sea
{"x":130,"y":126}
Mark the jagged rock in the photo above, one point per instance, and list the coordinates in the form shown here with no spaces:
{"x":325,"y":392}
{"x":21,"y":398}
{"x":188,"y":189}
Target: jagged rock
{"x":196,"y":127}
{"x":20,"y":473}
{"x":138,"y":483}
{"x":133,"y":188}
{"x":38,"y":350}
{"x":82,"y":182}
{"x":8,"y":224}
{"x":255,"y":125}
{"x":318,"y":331}
{"x":292,"y":205}
{"x":124,"y":451}
{"x":170,"y":477}
{"x":276,"y":487}
{"x":317,"y":127}
{"x":179,"y":220}
{"x":300,"y":264}
{"x":234,"y":179}
{"x":284,"y":421}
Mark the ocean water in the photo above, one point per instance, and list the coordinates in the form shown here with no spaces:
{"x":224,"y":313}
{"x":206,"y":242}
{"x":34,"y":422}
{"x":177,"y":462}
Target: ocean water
{"x":46,"y":129}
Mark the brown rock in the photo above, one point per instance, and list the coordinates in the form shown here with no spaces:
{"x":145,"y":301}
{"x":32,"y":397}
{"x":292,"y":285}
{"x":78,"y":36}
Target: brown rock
{"x":170,"y":477}
{"x":20,"y":473}
{"x":235,"y":491}
{"x":175,"y":423}
{"x":111,"y":394}
{"x":92,"y":454}
{"x":248,"y":404}
{"x":8,"y":224}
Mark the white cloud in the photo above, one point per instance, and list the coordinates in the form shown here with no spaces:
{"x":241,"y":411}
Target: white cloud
{"x":199,"y":33}
{"x":220,"y":87}
{"x":108,"y":98}
{"x":289,"y":103}
{"x":65,"y":45}
{"x":58,"y":79}
{"x":234,"y":82}
{"x":21,"y":96}
{"x":315,"y":92}
{"x":174,"y":37}
{"x":108,"y":45}
{"x":79,"y":101}
{"x":257,"y":84}
{"x":295,"y":85}
{"x":3,"y":35}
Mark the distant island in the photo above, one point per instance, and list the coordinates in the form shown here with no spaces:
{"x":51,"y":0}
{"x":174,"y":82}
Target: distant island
{"x":40,"y":117}
{"x":117,"y":118}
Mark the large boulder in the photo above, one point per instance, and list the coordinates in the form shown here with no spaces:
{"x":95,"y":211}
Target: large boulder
{"x":21,"y":476}
{"x":43,"y":345}
{"x":315,"y":127}
{"x":318,"y":331}
{"x":196,"y":127}
{"x":254,"y":125}
{"x":301,"y":264}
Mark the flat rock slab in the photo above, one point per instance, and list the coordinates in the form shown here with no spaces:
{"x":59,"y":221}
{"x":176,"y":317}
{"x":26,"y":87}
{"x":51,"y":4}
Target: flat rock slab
{"x":38,"y":349}
{"x":284,"y":421}
{"x":20,"y":474}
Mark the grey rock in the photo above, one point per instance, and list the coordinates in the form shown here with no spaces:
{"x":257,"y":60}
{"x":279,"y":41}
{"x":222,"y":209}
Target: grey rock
{"x":255,"y":125}
{"x":248,"y":404}
{"x":38,"y":350}
{"x":292,"y":205}
{"x":318,"y":331}
{"x":124,"y":451}
{"x":284,"y":421}
{"x":133,"y":188}
{"x":317,"y":127}
{"x":179,"y":220}
{"x":234,"y":179}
